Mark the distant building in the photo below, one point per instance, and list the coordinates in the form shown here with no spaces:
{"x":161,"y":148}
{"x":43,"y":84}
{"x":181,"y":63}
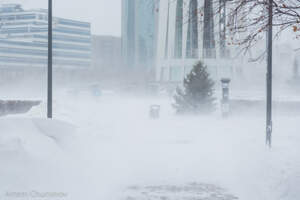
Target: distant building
{"x":24,"y":37}
{"x":139,"y":33}
{"x":106,"y":53}
{"x":128,"y":32}
{"x":188,"y":33}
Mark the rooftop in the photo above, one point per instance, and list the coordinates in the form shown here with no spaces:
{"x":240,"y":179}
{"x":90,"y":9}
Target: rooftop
{"x":10,"y":8}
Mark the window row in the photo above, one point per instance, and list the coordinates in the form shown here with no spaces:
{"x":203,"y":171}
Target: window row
{"x":42,"y":61}
{"x":44,"y":53}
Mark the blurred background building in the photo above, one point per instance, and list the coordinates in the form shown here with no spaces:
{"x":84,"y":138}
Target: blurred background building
{"x":24,"y":42}
{"x":189,"y":32}
{"x":139,"y":35}
{"x":106,"y":55}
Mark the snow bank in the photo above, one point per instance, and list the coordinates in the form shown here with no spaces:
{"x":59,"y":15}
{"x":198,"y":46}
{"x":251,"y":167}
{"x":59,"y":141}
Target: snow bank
{"x":35,"y":137}
{"x":34,"y":156}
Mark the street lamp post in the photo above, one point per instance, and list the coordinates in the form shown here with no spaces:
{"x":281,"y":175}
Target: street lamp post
{"x":49,"y":96}
{"x":269,"y":76}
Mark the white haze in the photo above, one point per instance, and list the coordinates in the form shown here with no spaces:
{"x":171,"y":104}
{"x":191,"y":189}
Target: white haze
{"x":102,"y":145}
{"x":97,"y":147}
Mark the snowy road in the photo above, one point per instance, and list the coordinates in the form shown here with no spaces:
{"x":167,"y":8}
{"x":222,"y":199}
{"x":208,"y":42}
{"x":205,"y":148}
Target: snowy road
{"x":114,"y":145}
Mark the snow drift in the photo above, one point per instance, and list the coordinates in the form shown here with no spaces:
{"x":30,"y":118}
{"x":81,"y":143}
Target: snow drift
{"x":35,"y":137}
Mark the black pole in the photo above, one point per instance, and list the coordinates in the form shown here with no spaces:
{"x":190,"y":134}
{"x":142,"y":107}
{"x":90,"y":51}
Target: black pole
{"x":269,"y":76}
{"x":49,"y":100}
{"x":222,"y":28}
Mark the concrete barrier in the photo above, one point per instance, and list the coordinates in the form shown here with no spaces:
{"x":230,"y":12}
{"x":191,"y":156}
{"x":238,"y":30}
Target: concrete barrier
{"x":8,"y":107}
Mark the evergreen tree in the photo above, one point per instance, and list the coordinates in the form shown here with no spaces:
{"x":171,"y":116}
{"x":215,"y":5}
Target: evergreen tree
{"x":196,"y":95}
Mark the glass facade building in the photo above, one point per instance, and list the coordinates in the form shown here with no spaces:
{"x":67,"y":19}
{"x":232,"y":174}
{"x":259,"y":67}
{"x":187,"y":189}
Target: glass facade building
{"x":128,"y":32}
{"x":192,"y":31}
{"x":187,"y":34}
{"x":179,"y":29}
{"x":24,"y":39}
{"x":209,"y":44}
{"x":139,"y":28}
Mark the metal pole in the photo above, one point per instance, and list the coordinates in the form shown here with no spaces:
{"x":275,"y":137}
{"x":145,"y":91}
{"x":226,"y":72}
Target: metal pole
{"x":222,"y":28}
{"x":269,"y":76}
{"x":49,"y":98}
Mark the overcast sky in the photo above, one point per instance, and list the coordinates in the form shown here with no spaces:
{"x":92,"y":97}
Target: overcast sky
{"x":105,"y":15}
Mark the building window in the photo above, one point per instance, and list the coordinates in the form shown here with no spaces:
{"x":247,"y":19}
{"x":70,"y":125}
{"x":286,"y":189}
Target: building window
{"x":176,"y":73}
{"x":178,"y":32}
{"x":167,"y":33}
{"x":209,"y":46}
{"x":26,"y":16}
{"x":164,"y":74}
{"x":192,"y":36}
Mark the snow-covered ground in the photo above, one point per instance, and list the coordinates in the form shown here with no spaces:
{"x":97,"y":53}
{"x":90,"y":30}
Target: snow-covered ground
{"x":100,"y":148}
